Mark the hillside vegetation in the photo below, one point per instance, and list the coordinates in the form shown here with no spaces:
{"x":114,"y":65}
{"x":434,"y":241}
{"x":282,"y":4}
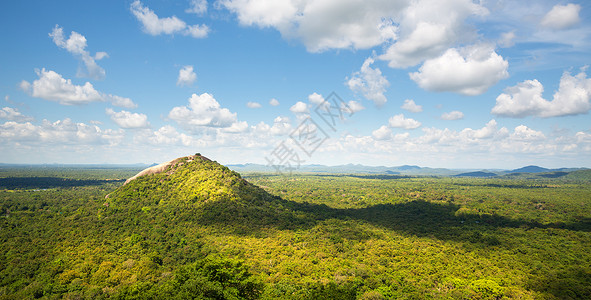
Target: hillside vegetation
{"x":199,"y":230}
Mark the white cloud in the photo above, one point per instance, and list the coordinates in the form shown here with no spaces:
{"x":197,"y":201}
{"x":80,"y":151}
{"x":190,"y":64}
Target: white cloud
{"x":52,"y":86}
{"x":154,"y":25}
{"x":203,"y":111}
{"x":412,"y":31}
{"x":443,"y":137}
{"x":370,"y":82}
{"x":237,"y":127}
{"x":197,"y":31}
{"x":399,"y":121}
{"x":524,"y":133}
{"x":76,"y":44}
{"x":562,"y":16}
{"x":12,"y":114}
{"x":525,"y":99}
{"x":452,"y":115}
{"x":507,"y":39}
{"x":281,"y":126}
{"x":425,"y":41}
{"x":382,"y":133}
{"x":166,"y":135}
{"x":322,"y":25}
{"x":411,"y":106}
{"x":299,"y":107}
{"x":353,"y":107}
{"x":483,"y":133}
{"x":468,"y":71}
{"x":61,"y":132}
{"x":429,"y":27}
{"x":251,"y":104}
{"x":274,"y":102}
{"x":315,"y":98}
{"x":261,"y":128}
{"x":583,"y":137}
{"x":128,"y":120}
{"x":198,"y":7}
{"x":119,"y":101}
{"x":100,"y":55}
{"x":186,"y":76}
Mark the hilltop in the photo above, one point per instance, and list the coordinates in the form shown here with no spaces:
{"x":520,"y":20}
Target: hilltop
{"x":193,"y":179}
{"x":207,"y":192}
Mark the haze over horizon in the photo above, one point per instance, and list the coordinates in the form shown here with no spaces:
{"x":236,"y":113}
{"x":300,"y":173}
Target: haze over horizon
{"x":451,"y":84}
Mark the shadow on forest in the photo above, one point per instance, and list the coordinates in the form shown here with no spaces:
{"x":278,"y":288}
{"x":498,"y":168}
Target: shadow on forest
{"x":418,"y":218}
{"x":47,"y":182}
{"x":423,"y":218}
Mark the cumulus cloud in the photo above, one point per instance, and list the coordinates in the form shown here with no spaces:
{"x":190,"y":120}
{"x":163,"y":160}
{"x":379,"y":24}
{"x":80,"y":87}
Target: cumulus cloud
{"x":483,"y":133}
{"x":322,"y":25}
{"x":281,"y":126}
{"x":203,"y":111}
{"x":128,"y":120}
{"x":154,"y":25}
{"x":452,"y":115}
{"x":274,"y":102}
{"x":411,"y":106}
{"x":524,"y":133}
{"x":315,"y":98}
{"x":12,"y":114}
{"x":487,"y":137}
{"x":198,"y":7}
{"x":562,"y":16}
{"x":237,"y":127}
{"x":412,"y":31}
{"x":186,"y":76}
{"x":62,"y":132}
{"x":468,"y":71}
{"x":119,"y":101}
{"x":399,"y":121}
{"x":429,"y":27}
{"x":251,"y":104}
{"x":299,"y":107}
{"x":525,"y":99}
{"x":52,"y":86}
{"x":197,"y":31}
{"x":382,"y":133}
{"x":353,"y":107}
{"x":76,"y":45}
{"x":482,"y":146}
{"x":165,"y":135}
{"x":370,"y":82}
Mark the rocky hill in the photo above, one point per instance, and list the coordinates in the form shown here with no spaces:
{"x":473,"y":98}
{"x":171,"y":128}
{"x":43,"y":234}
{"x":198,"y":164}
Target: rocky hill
{"x":196,"y":188}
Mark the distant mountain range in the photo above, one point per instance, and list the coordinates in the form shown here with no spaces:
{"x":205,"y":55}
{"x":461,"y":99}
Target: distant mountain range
{"x":407,"y":170}
{"x":398,"y":170}
{"x":477,"y":174}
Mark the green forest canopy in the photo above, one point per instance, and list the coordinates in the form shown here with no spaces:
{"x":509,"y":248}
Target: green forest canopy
{"x":201,"y":230}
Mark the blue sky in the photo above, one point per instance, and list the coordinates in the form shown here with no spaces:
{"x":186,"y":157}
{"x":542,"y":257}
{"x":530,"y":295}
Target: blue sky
{"x":456,"y":84}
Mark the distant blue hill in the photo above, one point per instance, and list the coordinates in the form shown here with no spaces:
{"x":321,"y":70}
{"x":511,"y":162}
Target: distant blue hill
{"x":476,"y":174}
{"x":407,"y":167}
{"x":530,"y":169}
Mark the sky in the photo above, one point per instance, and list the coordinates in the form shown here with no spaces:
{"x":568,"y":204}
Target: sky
{"x":435,"y":83}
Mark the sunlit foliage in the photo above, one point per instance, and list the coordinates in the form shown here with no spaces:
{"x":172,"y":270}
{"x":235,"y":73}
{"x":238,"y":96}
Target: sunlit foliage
{"x":200,"y":230}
